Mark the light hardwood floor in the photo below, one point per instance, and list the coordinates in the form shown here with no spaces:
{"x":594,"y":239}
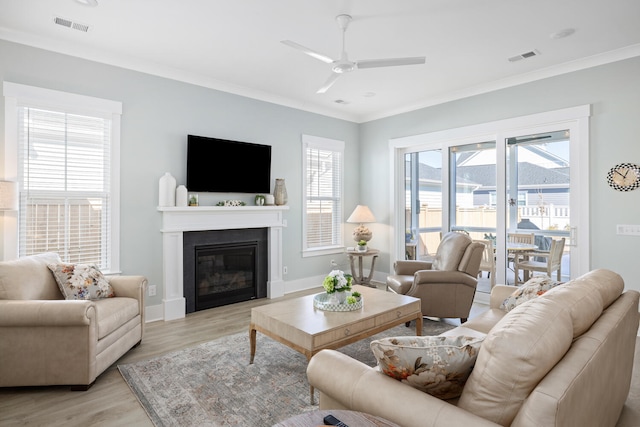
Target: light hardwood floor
{"x":110,"y":402}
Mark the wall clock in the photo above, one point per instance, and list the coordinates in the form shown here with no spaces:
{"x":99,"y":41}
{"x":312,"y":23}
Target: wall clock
{"x":624,"y":177}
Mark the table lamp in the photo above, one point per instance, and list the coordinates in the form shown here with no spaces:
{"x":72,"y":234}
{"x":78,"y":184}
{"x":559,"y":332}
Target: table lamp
{"x":361,"y":215}
{"x":8,"y":196}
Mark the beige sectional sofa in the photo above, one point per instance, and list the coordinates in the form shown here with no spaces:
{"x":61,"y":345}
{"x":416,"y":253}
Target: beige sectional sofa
{"x":47,"y":340}
{"x":564,"y":358}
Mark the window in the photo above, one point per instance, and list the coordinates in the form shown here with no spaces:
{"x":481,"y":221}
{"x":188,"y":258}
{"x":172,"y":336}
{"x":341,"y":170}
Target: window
{"x":322,"y":213}
{"x":65,"y":148}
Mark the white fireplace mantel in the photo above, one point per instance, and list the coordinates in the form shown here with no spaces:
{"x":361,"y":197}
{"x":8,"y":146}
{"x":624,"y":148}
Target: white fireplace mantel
{"x":177,"y":220}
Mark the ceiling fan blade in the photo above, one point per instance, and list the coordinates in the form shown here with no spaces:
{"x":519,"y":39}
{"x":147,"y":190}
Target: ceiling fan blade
{"x":330,"y":81}
{"x":310,"y":52}
{"x":391,"y":62}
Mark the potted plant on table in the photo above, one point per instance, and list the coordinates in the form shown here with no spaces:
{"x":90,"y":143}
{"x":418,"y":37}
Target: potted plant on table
{"x":362,"y":246}
{"x":338,"y":283}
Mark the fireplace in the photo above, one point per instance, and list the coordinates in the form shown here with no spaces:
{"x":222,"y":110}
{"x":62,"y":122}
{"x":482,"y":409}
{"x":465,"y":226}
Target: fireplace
{"x":179,"y":221}
{"x":224,"y":267}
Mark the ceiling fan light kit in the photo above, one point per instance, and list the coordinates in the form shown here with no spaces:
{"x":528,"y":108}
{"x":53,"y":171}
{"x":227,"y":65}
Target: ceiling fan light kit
{"x":344,"y":65}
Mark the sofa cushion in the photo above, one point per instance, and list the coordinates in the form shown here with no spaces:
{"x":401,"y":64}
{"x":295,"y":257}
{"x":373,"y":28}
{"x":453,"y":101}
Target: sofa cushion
{"x":113,"y":313}
{"x":29,"y":278}
{"x":533,"y":288}
{"x":516,"y":354}
{"x":587,"y":296}
{"x":436,"y":365}
{"x":81,"y":281}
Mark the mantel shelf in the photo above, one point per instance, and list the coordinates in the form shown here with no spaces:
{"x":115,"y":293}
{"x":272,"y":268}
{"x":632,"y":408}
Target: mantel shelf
{"x":220,"y":208}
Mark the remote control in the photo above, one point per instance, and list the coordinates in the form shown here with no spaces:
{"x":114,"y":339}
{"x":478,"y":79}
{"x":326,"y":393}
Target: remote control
{"x":330,"y":420}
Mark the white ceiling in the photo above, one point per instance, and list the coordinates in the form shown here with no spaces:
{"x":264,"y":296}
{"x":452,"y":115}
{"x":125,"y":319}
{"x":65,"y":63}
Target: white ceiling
{"x":234,"y":45}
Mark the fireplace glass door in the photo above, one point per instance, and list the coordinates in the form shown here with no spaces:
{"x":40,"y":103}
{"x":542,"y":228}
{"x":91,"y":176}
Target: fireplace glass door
{"x":225,"y":274}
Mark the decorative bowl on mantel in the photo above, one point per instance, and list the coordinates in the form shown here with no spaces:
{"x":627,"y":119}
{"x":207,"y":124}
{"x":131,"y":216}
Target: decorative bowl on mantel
{"x":326,"y":302}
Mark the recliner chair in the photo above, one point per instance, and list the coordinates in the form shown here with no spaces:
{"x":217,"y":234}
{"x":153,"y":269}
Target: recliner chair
{"x":446,"y":286}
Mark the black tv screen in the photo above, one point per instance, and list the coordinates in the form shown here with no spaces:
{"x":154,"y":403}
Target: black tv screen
{"x":223,"y":166}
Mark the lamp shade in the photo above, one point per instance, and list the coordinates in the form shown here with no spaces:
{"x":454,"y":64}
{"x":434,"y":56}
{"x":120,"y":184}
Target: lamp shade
{"x":8,"y":196}
{"x":361,"y":214}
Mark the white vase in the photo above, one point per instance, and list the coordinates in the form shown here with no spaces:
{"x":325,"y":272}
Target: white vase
{"x":341,"y":297}
{"x":167,"y":190}
{"x":181,"y":196}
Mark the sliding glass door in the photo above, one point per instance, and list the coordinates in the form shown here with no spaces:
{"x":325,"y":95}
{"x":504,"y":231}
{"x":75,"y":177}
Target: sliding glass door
{"x":494,"y":188}
{"x":423,"y":203}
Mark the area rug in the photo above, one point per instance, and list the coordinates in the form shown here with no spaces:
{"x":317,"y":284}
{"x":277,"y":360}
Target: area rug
{"x":213,"y":384}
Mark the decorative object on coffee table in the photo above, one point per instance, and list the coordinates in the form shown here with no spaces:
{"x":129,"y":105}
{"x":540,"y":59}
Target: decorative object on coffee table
{"x":280,"y":192}
{"x":327,"y":303}
{"x":361,"y":215}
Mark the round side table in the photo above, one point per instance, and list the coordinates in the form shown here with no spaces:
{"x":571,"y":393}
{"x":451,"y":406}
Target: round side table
{"x":358,"y":276}
{"x":350,"y":418}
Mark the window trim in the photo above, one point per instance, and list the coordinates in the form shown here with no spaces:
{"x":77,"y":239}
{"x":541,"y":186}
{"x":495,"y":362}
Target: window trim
{"x":16,"y":94}
{"x":324,"y":144}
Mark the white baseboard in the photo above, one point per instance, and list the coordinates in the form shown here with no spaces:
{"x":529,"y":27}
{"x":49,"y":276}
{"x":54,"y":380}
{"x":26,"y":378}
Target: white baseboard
{"x":153,"y":313}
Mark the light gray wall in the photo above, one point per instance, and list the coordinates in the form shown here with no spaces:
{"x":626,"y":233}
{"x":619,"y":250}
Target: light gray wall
{"x":613,"y":90}
{"x":158,"y":114}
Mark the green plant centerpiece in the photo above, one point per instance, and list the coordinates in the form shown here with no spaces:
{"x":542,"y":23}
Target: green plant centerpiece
{"x":337,"y":283}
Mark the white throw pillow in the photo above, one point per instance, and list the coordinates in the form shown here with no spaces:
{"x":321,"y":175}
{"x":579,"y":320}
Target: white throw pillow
{"x":533,"y":288}
{"x":437,"y":365}
{"x":81,"y":281}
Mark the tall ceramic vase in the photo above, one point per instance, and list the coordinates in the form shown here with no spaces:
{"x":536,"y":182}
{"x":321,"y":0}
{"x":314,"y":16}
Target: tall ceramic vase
{"x":167,"y":190}
{"x":280,"y":192}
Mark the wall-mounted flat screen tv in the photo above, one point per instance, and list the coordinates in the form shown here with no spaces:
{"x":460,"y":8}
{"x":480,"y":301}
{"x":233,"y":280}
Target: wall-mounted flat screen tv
{"x":223,"y":166}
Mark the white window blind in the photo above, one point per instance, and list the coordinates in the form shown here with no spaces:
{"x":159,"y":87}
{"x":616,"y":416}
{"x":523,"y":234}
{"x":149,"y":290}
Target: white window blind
{"x":323,"y":175}
{"x":64,"y":172}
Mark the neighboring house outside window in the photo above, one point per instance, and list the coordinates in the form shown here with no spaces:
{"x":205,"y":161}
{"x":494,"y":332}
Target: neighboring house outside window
{"x":66,"y":149}
{"x":322,"y":173}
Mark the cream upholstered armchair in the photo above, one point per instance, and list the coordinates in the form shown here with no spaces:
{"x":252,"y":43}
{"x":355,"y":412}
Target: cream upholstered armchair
{"x":48,"y":340}
{"x":446,"y":286}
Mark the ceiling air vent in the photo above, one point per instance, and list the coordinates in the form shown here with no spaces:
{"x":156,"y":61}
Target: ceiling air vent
{"x":70,"y":24}
{"x":525,"y":55}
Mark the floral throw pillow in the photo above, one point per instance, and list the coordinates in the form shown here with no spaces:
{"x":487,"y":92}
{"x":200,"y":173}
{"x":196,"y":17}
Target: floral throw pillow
{"x":438,"y":365}
{"x":81,"y":281}
{"x":533,"y":288}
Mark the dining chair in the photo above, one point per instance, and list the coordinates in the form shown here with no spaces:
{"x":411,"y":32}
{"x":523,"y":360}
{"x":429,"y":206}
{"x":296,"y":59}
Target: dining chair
{"x":488,"y":262}
{"x":527,"y":263}
{"x":528,"y":238}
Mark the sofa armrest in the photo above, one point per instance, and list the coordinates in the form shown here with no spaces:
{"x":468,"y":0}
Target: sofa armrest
{"x":409,"y":267}
{"x":129,"y":286}
{"x":499,"y":293}
{"x":361,"y":388}
{"x":19,"y":313}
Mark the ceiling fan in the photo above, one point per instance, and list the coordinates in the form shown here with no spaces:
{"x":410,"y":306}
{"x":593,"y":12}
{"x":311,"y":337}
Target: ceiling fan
{"x":344,"y":65}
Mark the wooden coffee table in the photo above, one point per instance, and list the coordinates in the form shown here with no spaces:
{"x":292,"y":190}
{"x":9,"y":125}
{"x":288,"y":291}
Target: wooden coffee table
{"x":297,"y":324}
